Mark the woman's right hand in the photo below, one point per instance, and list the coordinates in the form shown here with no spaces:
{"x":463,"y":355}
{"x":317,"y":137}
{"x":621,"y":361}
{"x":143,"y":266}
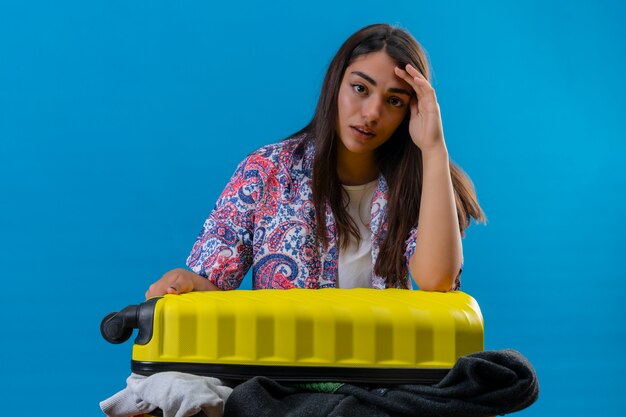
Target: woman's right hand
{"x":179,"y":281}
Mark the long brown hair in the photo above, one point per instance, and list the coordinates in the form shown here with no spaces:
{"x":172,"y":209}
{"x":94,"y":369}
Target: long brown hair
{"x":399,"y":160}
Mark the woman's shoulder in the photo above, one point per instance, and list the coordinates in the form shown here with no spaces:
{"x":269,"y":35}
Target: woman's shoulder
{"x":294,"y":148}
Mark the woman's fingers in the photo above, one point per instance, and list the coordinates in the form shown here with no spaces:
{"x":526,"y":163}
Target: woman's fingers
{"x":415,"y":79}
{"x":181,"y":284}
{"x":424,"y":92}
{"x":176,"y":281}
{"x":414,"y":72}
{"x":173,"y":288}
{"x":407,"y":77}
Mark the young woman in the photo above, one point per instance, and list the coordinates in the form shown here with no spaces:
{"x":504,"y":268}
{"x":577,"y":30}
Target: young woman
{"x":338,"y":204}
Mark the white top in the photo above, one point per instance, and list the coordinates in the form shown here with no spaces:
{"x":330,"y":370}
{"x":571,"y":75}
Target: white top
{"x":355,"y":262}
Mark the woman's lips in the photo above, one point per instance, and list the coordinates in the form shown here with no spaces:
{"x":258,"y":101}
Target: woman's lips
{"x":362,"y":132}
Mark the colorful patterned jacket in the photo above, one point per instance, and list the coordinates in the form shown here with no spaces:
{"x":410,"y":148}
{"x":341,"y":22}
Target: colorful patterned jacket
{"x":264,"y":218}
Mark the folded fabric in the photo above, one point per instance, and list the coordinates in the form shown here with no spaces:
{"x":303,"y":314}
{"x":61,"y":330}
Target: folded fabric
{"x":479,"y":385}
{"x":176,"y":394}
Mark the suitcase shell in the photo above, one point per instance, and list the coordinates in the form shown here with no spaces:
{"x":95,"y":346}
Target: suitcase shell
{"x":346,"y":335}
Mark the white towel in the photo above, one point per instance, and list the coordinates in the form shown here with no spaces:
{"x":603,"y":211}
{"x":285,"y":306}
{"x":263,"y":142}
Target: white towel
{"x":177,"y":394}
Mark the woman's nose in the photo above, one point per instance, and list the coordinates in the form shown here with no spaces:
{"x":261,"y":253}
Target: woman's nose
{"x":371,"y":110}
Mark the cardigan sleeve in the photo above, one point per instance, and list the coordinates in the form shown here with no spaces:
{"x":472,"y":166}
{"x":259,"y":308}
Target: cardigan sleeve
{"x":223,"y":252}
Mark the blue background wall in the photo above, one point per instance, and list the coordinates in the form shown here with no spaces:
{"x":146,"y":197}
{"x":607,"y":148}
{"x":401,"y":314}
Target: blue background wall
{"x":121,"y":121}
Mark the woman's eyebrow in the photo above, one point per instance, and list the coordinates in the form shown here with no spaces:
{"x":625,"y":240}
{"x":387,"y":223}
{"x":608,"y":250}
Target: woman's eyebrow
{"x":367,"y":77}
{"x":371,"y":81}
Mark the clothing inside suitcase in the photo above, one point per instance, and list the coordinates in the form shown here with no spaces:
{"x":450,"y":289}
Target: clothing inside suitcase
{"x":360,"y":335}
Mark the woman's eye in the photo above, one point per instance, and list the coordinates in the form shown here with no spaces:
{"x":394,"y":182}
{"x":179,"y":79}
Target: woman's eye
{"x":359,"y":88}
{"x":396,"y":102}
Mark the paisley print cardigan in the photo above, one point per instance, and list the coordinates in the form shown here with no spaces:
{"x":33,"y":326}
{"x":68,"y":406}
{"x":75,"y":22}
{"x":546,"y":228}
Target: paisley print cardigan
{"x":265,"y":218}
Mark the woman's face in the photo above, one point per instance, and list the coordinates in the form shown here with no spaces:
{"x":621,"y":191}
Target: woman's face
{"x":372,"y":103}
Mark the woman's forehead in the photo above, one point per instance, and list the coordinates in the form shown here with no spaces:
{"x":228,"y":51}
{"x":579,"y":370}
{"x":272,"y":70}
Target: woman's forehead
{"x":376,"y":68}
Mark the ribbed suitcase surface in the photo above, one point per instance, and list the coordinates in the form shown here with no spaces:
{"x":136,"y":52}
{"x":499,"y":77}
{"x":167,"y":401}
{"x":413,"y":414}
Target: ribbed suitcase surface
{"x":350,"y":335}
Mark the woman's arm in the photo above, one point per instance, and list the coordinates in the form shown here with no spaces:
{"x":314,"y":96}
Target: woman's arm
{"x":438,"y":250}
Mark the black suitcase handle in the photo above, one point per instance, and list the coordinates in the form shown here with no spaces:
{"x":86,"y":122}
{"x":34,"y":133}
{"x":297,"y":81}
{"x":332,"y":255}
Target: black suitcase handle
{"x":118,"y":327}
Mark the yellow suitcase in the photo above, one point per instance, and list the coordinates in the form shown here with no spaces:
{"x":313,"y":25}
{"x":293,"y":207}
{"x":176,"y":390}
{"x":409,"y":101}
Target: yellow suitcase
{"x":347,"y":335}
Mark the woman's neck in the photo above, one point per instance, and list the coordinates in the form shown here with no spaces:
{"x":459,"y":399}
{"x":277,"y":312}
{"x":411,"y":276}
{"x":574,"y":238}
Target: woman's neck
{"x":356,"y":169}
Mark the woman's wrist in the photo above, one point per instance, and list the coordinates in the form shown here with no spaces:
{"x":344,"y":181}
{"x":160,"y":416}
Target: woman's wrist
{"x":438,"y":151}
